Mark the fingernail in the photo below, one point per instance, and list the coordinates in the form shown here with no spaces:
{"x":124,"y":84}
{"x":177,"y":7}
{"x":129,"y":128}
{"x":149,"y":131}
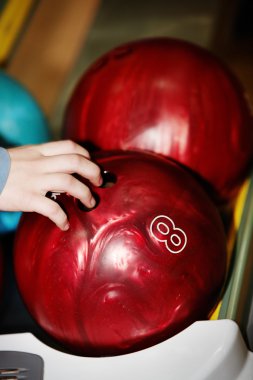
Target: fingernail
{"x":66,"y":227}
{"x":100,"y":181}
{"x":92,"y":202}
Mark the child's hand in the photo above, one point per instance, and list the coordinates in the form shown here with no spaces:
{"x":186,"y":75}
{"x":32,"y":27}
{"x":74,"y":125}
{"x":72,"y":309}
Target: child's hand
{"x":37,"y":169}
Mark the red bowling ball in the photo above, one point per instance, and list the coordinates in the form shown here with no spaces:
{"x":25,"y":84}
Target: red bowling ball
{"x":145,"y":263}
{"x":170,"y":97}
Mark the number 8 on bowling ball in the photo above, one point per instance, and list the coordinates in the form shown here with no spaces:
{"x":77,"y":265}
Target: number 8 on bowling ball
{"x":163,"y":229}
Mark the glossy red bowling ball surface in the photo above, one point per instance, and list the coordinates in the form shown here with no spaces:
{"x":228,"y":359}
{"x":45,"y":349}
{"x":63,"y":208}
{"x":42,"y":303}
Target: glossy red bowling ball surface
{"x":148,"y":261}
{"x":170,"y":97}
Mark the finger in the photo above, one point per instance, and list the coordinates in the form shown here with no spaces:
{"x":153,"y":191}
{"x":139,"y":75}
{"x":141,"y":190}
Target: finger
{"x":66,"y":183}
{"x":62,"y":147}
{"x":73,"y":163}
{"x":51,"y":210}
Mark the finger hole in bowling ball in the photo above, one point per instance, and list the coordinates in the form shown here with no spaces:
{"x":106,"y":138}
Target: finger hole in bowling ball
{"x":82,"y":207}
{"x":87,"y":144}
{"x":109,"y":179}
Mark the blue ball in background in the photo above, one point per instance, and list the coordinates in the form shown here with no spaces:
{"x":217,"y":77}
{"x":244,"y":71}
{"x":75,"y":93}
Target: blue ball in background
{"x":22,"y":122}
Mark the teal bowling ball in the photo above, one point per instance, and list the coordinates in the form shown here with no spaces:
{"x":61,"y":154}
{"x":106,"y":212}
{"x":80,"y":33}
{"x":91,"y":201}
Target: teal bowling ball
{"x":22,"y":122}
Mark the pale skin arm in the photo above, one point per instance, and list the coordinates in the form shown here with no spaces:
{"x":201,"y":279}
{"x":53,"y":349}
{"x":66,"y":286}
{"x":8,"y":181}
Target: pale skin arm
{"x":37,"y":169}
